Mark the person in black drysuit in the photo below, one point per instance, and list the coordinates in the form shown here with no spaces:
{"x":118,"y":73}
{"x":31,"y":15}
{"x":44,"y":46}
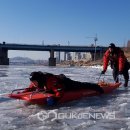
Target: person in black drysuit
{"x":75,"y":85}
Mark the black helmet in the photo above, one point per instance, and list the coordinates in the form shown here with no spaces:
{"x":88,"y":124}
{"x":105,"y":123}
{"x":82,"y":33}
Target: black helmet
{"x":112,"y":45}
{"x":36,"y":76}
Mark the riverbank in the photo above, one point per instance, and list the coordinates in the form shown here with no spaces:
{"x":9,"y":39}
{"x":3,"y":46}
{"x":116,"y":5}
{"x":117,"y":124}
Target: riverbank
{"x":90,"y":63}
{"x":81,"y":63}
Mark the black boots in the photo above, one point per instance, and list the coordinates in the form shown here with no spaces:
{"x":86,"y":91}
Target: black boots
{"x":126,"y":84}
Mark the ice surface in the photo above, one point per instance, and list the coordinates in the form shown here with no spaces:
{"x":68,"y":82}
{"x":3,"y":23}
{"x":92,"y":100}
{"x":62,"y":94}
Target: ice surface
{"x":18,"y":115}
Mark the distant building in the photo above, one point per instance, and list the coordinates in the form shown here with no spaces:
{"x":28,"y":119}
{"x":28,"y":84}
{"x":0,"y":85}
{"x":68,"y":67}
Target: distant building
{"x":82,"y":56}
{"x":69,"y":57}
{"x":87,"y":56}
{"x":58,"y":57}
{"x":128,"y":43}
{"x":77,"y":56}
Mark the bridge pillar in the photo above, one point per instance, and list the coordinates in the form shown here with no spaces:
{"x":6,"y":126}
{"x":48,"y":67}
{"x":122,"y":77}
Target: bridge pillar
{"x":52,"y":60}
{"x":64,"y":56}
{"x":4,"y":60}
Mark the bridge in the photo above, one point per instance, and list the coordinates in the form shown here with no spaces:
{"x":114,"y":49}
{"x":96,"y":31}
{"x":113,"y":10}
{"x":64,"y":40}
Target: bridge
{"x":4,"y":47}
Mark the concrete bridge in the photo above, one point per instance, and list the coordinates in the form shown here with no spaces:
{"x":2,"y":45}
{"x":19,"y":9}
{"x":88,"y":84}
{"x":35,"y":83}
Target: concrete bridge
{"x":4,"y":47}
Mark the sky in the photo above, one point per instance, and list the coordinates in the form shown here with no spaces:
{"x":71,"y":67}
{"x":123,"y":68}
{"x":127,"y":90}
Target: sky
{"x":60,"y":21}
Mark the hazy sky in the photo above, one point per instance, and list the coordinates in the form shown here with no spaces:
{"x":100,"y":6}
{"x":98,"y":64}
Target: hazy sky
{"x":60,"y":21}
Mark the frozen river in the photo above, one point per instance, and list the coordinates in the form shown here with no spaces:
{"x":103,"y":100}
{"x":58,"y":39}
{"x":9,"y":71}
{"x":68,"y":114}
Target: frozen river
{"x":105,"y":112}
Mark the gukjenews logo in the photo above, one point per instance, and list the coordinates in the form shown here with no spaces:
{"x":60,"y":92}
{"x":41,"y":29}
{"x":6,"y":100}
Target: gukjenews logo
{"x":53,"y":115}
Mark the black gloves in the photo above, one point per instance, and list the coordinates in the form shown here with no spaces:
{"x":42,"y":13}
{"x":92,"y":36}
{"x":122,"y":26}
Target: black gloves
{"x":103,"y":72}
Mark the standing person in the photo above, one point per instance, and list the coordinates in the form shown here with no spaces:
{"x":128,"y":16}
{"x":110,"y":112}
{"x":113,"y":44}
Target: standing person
{"x":118,"y":62}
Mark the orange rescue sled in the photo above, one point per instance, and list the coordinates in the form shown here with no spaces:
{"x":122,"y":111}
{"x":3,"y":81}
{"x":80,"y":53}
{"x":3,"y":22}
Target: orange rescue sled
{"x":41,"y":97}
